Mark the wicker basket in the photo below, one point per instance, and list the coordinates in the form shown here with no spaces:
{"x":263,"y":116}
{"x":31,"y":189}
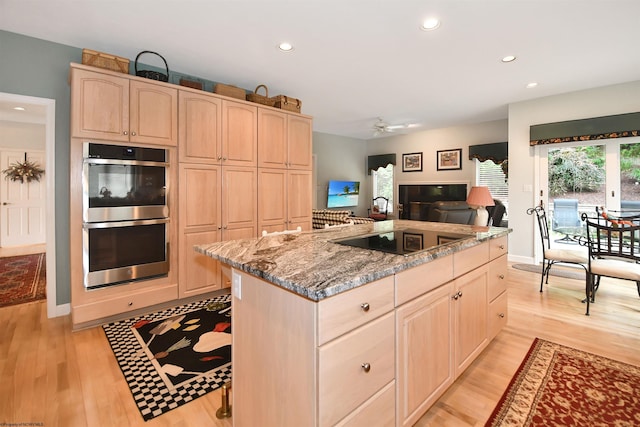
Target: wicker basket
{"x":287,"y":103}
{"x":106,"y":61}
{"x":229,"y":90}
{"x":261,"y":99}
{"x":149,"y":74}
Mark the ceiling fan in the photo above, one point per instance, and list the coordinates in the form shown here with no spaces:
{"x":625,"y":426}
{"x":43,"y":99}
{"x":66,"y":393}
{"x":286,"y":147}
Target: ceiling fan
{"x":380,"y":127}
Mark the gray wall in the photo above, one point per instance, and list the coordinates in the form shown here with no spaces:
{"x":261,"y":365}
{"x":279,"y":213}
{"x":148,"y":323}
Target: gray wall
{"x":39,"y":68}
{"x":340,"y":158}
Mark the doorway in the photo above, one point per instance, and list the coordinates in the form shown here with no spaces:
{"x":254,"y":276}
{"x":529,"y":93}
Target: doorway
{"x":40,"y":110}
{"x":602,"y":174}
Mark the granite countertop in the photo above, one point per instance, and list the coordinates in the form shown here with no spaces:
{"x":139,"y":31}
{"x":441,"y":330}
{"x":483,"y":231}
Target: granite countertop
{"x":310,"y":264}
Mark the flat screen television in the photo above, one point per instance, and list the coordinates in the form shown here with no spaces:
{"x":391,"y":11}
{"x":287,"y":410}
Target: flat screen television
{"x":342,"y":194}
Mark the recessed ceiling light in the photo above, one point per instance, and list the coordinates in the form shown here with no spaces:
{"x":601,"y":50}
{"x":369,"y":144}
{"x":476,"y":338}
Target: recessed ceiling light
{"x":531,"y":85}
{"x":285,"y":47}
{"x":509,"y":58}
{"x":19,"y":108}
{"x":430,"y":24}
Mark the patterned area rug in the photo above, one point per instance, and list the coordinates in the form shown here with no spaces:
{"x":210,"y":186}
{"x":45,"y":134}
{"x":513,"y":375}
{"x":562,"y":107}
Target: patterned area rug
{"x":561,"y":386}
{"x":174,"y":356}
{"x":22,"y":279}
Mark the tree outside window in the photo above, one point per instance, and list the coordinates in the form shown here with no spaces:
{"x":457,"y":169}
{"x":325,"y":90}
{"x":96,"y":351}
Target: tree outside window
{"x":383,"y":185}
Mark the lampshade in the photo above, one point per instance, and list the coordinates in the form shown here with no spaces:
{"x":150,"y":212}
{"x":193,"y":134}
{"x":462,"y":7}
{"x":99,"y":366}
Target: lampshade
{"x":480,"y":196}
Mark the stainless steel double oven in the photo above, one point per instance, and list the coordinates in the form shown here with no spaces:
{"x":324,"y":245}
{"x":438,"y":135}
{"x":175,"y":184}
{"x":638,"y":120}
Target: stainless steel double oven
{"x":125,"y":214}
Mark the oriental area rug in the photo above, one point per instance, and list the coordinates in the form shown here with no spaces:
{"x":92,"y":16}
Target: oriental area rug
{"x":174,"y":356}
{"x":561,"y":386}
{"x":22,"y":279}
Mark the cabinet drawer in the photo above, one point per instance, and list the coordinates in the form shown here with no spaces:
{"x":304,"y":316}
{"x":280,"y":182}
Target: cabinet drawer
{"x":343,"y":381}
{"x":344,"y":312}
{"x":378,"y":411}
{"x":470,"y":259}
{"x":122,"y":304}
{"x":419,"y":280}
{"x":498,"y":247}
{"x":497,"y":315}
{"x":497,"y":277}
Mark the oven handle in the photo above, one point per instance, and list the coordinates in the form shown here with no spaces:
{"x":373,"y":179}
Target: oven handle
{"x":114,"y":224}
{"x":92,"y":161}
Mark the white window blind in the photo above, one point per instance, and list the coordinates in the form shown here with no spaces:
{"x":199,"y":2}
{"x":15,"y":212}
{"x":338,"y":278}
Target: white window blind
{"x":492,"y":176}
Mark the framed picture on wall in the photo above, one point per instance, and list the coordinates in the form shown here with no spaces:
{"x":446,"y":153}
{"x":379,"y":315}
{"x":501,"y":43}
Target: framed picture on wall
{"x":412,"y":162}
{"x":449,"y":159}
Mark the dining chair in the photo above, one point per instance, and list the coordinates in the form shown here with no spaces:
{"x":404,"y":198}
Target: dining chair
{"x":614,"y":251}
{"x":379,"y":208}
{"x":552,"y":256}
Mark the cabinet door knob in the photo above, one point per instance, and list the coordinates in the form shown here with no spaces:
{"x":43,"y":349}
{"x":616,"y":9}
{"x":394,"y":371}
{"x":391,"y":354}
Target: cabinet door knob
{"x":501,"y":246}
{"x":125,"y":132}
{"x":365,"y":306}
{"x":455,"y":296}
{"x":219,"y":157}
{"x":133,"y":134}
{"x":366,"y":367}
{"x":501,"y":276}
{"x":130,"y":303}
{"x":501,"y":315}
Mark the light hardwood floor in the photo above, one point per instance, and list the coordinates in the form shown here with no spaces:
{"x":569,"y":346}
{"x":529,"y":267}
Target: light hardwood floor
{"x":57,"y":377}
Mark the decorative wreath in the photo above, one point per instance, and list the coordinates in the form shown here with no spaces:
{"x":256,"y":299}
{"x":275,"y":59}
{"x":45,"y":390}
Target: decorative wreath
{"x":19,"y":171}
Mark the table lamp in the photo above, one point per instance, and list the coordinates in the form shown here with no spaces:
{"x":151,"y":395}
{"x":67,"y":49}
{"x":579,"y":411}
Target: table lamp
{"x":479,"y":198}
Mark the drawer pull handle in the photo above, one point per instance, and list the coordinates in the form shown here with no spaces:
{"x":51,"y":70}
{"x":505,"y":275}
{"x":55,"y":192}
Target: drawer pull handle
{"x":365,"y":306}
{"x":366,"y":367}
{"x":501,"y":315}
{"x":501,"y":276}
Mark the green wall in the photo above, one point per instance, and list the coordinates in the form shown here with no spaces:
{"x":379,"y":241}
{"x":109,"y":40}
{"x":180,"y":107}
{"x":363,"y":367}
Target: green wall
{"x":39,"y":68}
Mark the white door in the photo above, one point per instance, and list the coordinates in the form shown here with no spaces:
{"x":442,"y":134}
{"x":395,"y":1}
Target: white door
{"x":22,"y":205}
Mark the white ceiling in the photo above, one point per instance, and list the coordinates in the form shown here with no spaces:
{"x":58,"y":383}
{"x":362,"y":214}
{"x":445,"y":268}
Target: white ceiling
{"x":356,"y":60}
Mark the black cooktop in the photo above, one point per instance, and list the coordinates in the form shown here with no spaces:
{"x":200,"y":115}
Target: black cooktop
{"x":403,"y":242}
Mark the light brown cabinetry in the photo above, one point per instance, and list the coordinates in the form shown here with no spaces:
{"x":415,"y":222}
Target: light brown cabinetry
{"x":211,"y":210}
{"x":108,"y":107}
{"x":284,"y":140}
{"x":441,"y":330}
{"x":333,"y":359}
{"x":284,"y":199}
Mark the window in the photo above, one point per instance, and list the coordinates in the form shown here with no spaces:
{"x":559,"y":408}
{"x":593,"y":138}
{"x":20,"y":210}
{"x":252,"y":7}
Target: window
{"x":491,"y":175}
{"x":382,"y":179}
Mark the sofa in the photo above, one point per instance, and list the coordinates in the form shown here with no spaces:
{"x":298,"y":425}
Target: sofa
{"x":320,"y":217}
{"x":455,"y":212}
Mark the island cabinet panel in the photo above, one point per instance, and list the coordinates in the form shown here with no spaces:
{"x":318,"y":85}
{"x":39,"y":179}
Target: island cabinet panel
{"x":108,"y":106}
{"x":274,"y":355}
{"x":424,"y":366}
{"x":419,"y":280}
{"x":349,"y":310}
{"x":470,"y":258}
{"x":353,"y":367}
{"x":470,"y":312}
{"x":379,"y":411}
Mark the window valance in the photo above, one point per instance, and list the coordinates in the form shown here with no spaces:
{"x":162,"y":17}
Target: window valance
{"x":606,"y":127}
{"x":380,"y":161}
{"x":497,"y":152}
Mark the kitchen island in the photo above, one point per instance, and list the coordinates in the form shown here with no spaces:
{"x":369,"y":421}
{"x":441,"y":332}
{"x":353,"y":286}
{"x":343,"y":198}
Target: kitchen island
{"x":325,"y":333}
